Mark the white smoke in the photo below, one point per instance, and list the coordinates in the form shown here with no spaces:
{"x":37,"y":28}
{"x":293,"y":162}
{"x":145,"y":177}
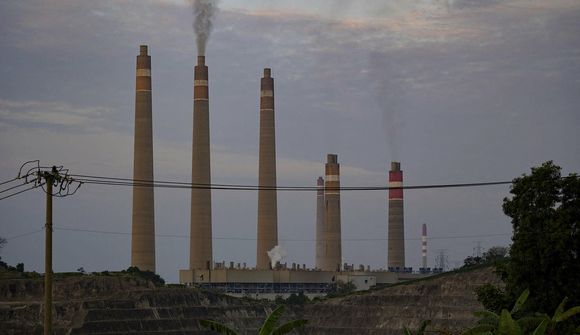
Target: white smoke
{"x":203,"y":11}
{"x":276,"y":255}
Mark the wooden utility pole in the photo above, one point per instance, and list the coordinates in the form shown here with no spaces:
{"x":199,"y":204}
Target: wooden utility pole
{"x":48,"y":257}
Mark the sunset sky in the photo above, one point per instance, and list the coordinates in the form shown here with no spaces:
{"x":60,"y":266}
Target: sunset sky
{"x":458,"y":91}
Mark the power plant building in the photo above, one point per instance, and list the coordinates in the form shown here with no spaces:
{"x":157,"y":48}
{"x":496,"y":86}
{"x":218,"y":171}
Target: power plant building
{"x":143,"y":216}
{"x":200,"y":240}
{"x":267,"y":197}
{"x":281,"y":279}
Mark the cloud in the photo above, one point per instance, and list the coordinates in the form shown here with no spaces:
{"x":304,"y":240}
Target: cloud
{"x":57,"y":115}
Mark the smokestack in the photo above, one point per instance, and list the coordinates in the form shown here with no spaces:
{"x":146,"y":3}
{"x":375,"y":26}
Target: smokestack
{"x":267,"y":200}
{"x":319,"y":223}
{"x":200,"y":241}
{"x":332,"y":236}
{"x":143,"y":219}
{"x":396,"y":256}
{"x":424,"y":245}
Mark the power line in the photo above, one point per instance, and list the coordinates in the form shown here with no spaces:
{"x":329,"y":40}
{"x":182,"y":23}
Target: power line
{"x":24,"y":234}
{"x":114,"y":181}
{"x":13,"y":187}
{"x":281,"y":239}
{"x":25,"y":190}
{"x":8,"y":181}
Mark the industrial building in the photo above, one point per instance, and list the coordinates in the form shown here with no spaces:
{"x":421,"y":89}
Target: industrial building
{"x":267,"y":277}
{"x":143,"y":217}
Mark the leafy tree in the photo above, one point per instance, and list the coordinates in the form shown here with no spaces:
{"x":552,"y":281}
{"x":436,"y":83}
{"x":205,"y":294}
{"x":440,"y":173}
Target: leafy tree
{"x":494,"y":254}
{"x":491,"y":323}
{"x":470,"y":261}
{"x":269,"y":327}
{"x":147,"y":275}
{"x":20,"y":267}
{"x":545,"y":254}
{"x":492,"y":297}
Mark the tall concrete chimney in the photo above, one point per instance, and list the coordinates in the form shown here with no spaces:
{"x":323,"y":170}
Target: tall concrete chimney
{"x":143,"y":220}
{"x":396,"y":256}
{"x":200,"y":240}
{"x":267,"y":199}
{"x":332,"y":236}
{"x":424,"y":245}
{"x":319,"y":223}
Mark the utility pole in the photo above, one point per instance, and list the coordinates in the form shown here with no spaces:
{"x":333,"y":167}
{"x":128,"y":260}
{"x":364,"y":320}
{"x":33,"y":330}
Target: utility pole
{"x":48,"y":256}
{"x":58,"y":183}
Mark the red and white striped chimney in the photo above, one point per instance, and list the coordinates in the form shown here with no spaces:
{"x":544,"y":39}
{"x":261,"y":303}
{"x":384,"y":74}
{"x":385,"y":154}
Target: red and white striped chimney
{"x":396,"y":228}
{"x":424,"y":245}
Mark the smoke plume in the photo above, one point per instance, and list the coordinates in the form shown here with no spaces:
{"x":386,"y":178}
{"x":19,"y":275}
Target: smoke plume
{"x":203,"y":11}
{"x":276,"y":255}
{"x":391,"y":95}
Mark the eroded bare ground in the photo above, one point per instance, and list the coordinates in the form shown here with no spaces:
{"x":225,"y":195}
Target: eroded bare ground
{"x":119,"y":305}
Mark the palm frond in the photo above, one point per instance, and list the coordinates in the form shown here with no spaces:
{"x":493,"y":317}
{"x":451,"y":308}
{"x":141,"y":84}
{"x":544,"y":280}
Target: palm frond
{"x":520,"y":302}
{"x":271,"y":321}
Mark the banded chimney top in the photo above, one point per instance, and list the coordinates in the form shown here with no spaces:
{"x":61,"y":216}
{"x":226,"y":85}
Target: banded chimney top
{"x":267,"y":72}
{"x":332,"y":159}
{"x":395,"y":166}
{"x":143,"y":50}
{"x":200,"y":60}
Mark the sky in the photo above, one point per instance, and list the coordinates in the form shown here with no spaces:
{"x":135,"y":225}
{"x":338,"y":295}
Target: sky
{"x":458,"y":91}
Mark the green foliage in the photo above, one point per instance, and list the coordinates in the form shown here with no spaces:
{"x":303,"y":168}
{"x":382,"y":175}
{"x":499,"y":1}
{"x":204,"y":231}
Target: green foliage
{"x":539,"y":324}
{"x":293,"y":299}
{"x":147,"y":275}
{"x":492,"y":297}
{"x":544,"y":256}
{"x":269,"y":327}
{"x":491,"y":256}
{"x":271,"y":321}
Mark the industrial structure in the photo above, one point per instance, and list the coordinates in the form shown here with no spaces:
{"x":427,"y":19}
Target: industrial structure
{"x":200,"y":239}
{"x":265,"y":278}
{"x":267,"y":197}
{"x":143,"y":217}
{"x":332,"y":235}
{"x":424,"y":246}
{"x":396,"y":229}
{"x":319,"y":223}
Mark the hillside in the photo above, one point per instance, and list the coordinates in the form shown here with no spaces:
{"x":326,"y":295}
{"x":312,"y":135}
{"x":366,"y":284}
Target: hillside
{"x":120,"y":305}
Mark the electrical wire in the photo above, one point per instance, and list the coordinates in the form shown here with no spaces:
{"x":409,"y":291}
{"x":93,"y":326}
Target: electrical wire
{"x":24,"y":234}
{"x":8,"y":181}
{"x":114,"y":181}
{"x":25,"y":190}
{"x":281,"y":239}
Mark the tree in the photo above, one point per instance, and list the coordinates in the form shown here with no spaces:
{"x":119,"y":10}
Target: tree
{"x":147,"y":275}
{"x":495,"y":254}
{"x":269,"y":327}
{"x":544,"y":256}
{"x":505,"y":322}
{"x":2,"y":242}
